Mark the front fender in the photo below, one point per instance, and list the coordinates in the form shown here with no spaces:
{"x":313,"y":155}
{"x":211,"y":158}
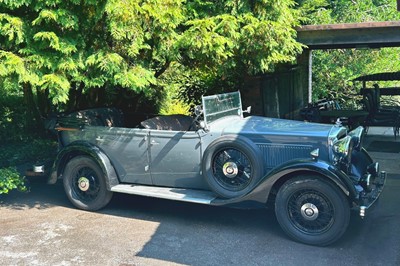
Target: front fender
{"x":83,"y":148}
{"x":291,"y":168}
{"x":261,"y":192}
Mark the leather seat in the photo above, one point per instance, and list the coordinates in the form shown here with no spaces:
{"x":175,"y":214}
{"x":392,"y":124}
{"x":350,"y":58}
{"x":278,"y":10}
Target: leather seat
{"x":169,"y":122}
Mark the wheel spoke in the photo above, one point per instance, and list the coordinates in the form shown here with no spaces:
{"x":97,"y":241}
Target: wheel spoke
{"x":226,"y":154}
{"x":323,"y":217}
{"x":241,"y":178}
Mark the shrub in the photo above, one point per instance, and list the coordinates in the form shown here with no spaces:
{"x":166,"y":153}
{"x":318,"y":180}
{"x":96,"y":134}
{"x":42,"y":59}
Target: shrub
{"x":37,"y":150}
{"x":175,"y":106}
{"x":13,"y":126}
{"x":10,"y":179}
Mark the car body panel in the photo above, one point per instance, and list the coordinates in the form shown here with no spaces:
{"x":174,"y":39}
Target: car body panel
{"x":313,"y":173}
{"x":168,"y":158}
{"x":175,"y":159}
{"x":279,"y":140}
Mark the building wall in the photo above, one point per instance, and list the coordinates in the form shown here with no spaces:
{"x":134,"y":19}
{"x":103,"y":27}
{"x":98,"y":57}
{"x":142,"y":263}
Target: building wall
{"x":280,"y":94}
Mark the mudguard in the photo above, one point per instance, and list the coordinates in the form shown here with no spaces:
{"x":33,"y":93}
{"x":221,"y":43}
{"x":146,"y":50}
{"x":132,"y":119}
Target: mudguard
{"x":83,"y":148}
{"x":259,"y":195}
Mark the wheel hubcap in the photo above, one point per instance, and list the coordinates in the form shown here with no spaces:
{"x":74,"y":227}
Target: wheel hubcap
{"x":230,"y":169}
{"x":83,"y":183}
{"x":309,"y":211}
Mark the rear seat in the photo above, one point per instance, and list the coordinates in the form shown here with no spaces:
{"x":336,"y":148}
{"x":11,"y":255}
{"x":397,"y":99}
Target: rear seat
{"x":169,"y":122}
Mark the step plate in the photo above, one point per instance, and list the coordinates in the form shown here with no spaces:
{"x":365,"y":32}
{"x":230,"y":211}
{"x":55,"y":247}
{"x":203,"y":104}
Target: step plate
{"x":179,"y":194}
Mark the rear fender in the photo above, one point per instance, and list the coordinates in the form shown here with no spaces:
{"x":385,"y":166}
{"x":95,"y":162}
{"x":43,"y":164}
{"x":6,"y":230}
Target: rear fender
{"x":83,"y":148}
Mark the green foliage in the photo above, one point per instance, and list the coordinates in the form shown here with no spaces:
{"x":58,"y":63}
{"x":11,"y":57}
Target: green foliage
{"x":67,"y":53}
{"x":72,"y":54}
{"x":12,"y":122}
{"x":10,"y":179}
{"x":225,"y":41}
{"x":17,"y":144}
{"x":175,"y":106}
{"x":232,"y":37}
{"x":27,"y":151}
{"x":364,"y":10}
{"x":12,"y":27}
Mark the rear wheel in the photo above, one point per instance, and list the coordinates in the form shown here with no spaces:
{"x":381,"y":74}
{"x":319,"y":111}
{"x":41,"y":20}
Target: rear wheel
{"x":85,"y":184}
{"x":312,"y":210}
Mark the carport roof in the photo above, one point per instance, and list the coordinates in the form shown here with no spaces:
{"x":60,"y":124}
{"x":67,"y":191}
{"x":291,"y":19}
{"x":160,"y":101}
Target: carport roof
{"x":350,"y":35}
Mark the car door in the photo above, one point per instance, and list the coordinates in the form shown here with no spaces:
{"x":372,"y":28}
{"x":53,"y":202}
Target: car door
{"x":127,"y":148}
{"x":175,"y":159}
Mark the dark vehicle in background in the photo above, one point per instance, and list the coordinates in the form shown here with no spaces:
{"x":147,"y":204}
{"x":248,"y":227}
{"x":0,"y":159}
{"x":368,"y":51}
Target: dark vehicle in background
{"x":379,"y":106}
{"x":312,"y":174}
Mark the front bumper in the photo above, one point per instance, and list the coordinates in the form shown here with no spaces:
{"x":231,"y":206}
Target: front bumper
{"x":375,"y":184}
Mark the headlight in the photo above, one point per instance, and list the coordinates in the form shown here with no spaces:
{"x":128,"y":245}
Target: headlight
{"x":357,"y":136}
{"x":342,"y":150}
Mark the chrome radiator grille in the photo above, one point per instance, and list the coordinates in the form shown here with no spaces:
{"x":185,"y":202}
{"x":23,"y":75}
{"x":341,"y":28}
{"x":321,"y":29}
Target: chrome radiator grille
{"x":276,"y":154}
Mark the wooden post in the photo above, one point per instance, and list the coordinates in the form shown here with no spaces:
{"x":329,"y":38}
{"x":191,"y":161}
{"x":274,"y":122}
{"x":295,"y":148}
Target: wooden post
{"x":398,"y":5}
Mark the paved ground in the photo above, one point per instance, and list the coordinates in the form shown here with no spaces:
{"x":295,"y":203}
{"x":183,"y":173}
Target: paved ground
{"x":42,"y":228}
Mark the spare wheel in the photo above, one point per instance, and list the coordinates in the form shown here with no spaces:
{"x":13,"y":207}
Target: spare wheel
{"x":232,"y":166}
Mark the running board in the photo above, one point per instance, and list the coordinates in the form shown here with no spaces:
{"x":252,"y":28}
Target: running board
{"x":179,"y":194}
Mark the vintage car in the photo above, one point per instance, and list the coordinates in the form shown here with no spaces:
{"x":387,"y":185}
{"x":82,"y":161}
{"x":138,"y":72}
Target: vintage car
{"x":312,"y":174}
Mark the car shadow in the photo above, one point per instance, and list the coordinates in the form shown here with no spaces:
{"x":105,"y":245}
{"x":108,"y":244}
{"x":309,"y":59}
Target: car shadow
{"x":184,"y":213}
{"x":194,"y":234}
{"x":39,"y":195}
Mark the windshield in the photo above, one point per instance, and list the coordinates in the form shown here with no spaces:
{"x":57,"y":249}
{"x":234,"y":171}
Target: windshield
{"x":220,"y":105}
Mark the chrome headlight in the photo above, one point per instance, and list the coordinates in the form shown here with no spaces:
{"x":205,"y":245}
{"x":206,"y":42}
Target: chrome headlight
{"x":357,"y":135}
{"x":342,"y":149}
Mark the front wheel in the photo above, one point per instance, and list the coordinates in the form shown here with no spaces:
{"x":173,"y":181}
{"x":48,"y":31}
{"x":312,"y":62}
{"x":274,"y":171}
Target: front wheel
{"x":85,"y":184}
{"x":312,"y":210}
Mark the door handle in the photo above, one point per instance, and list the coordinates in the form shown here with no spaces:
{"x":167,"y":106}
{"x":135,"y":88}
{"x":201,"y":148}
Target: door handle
{"x":153,"y":142}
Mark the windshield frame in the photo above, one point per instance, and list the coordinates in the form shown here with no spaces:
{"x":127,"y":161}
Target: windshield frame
{"x":221,"y":105}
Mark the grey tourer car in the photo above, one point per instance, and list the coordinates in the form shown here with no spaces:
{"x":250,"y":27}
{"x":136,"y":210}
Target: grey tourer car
{"x":312,"y":174}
